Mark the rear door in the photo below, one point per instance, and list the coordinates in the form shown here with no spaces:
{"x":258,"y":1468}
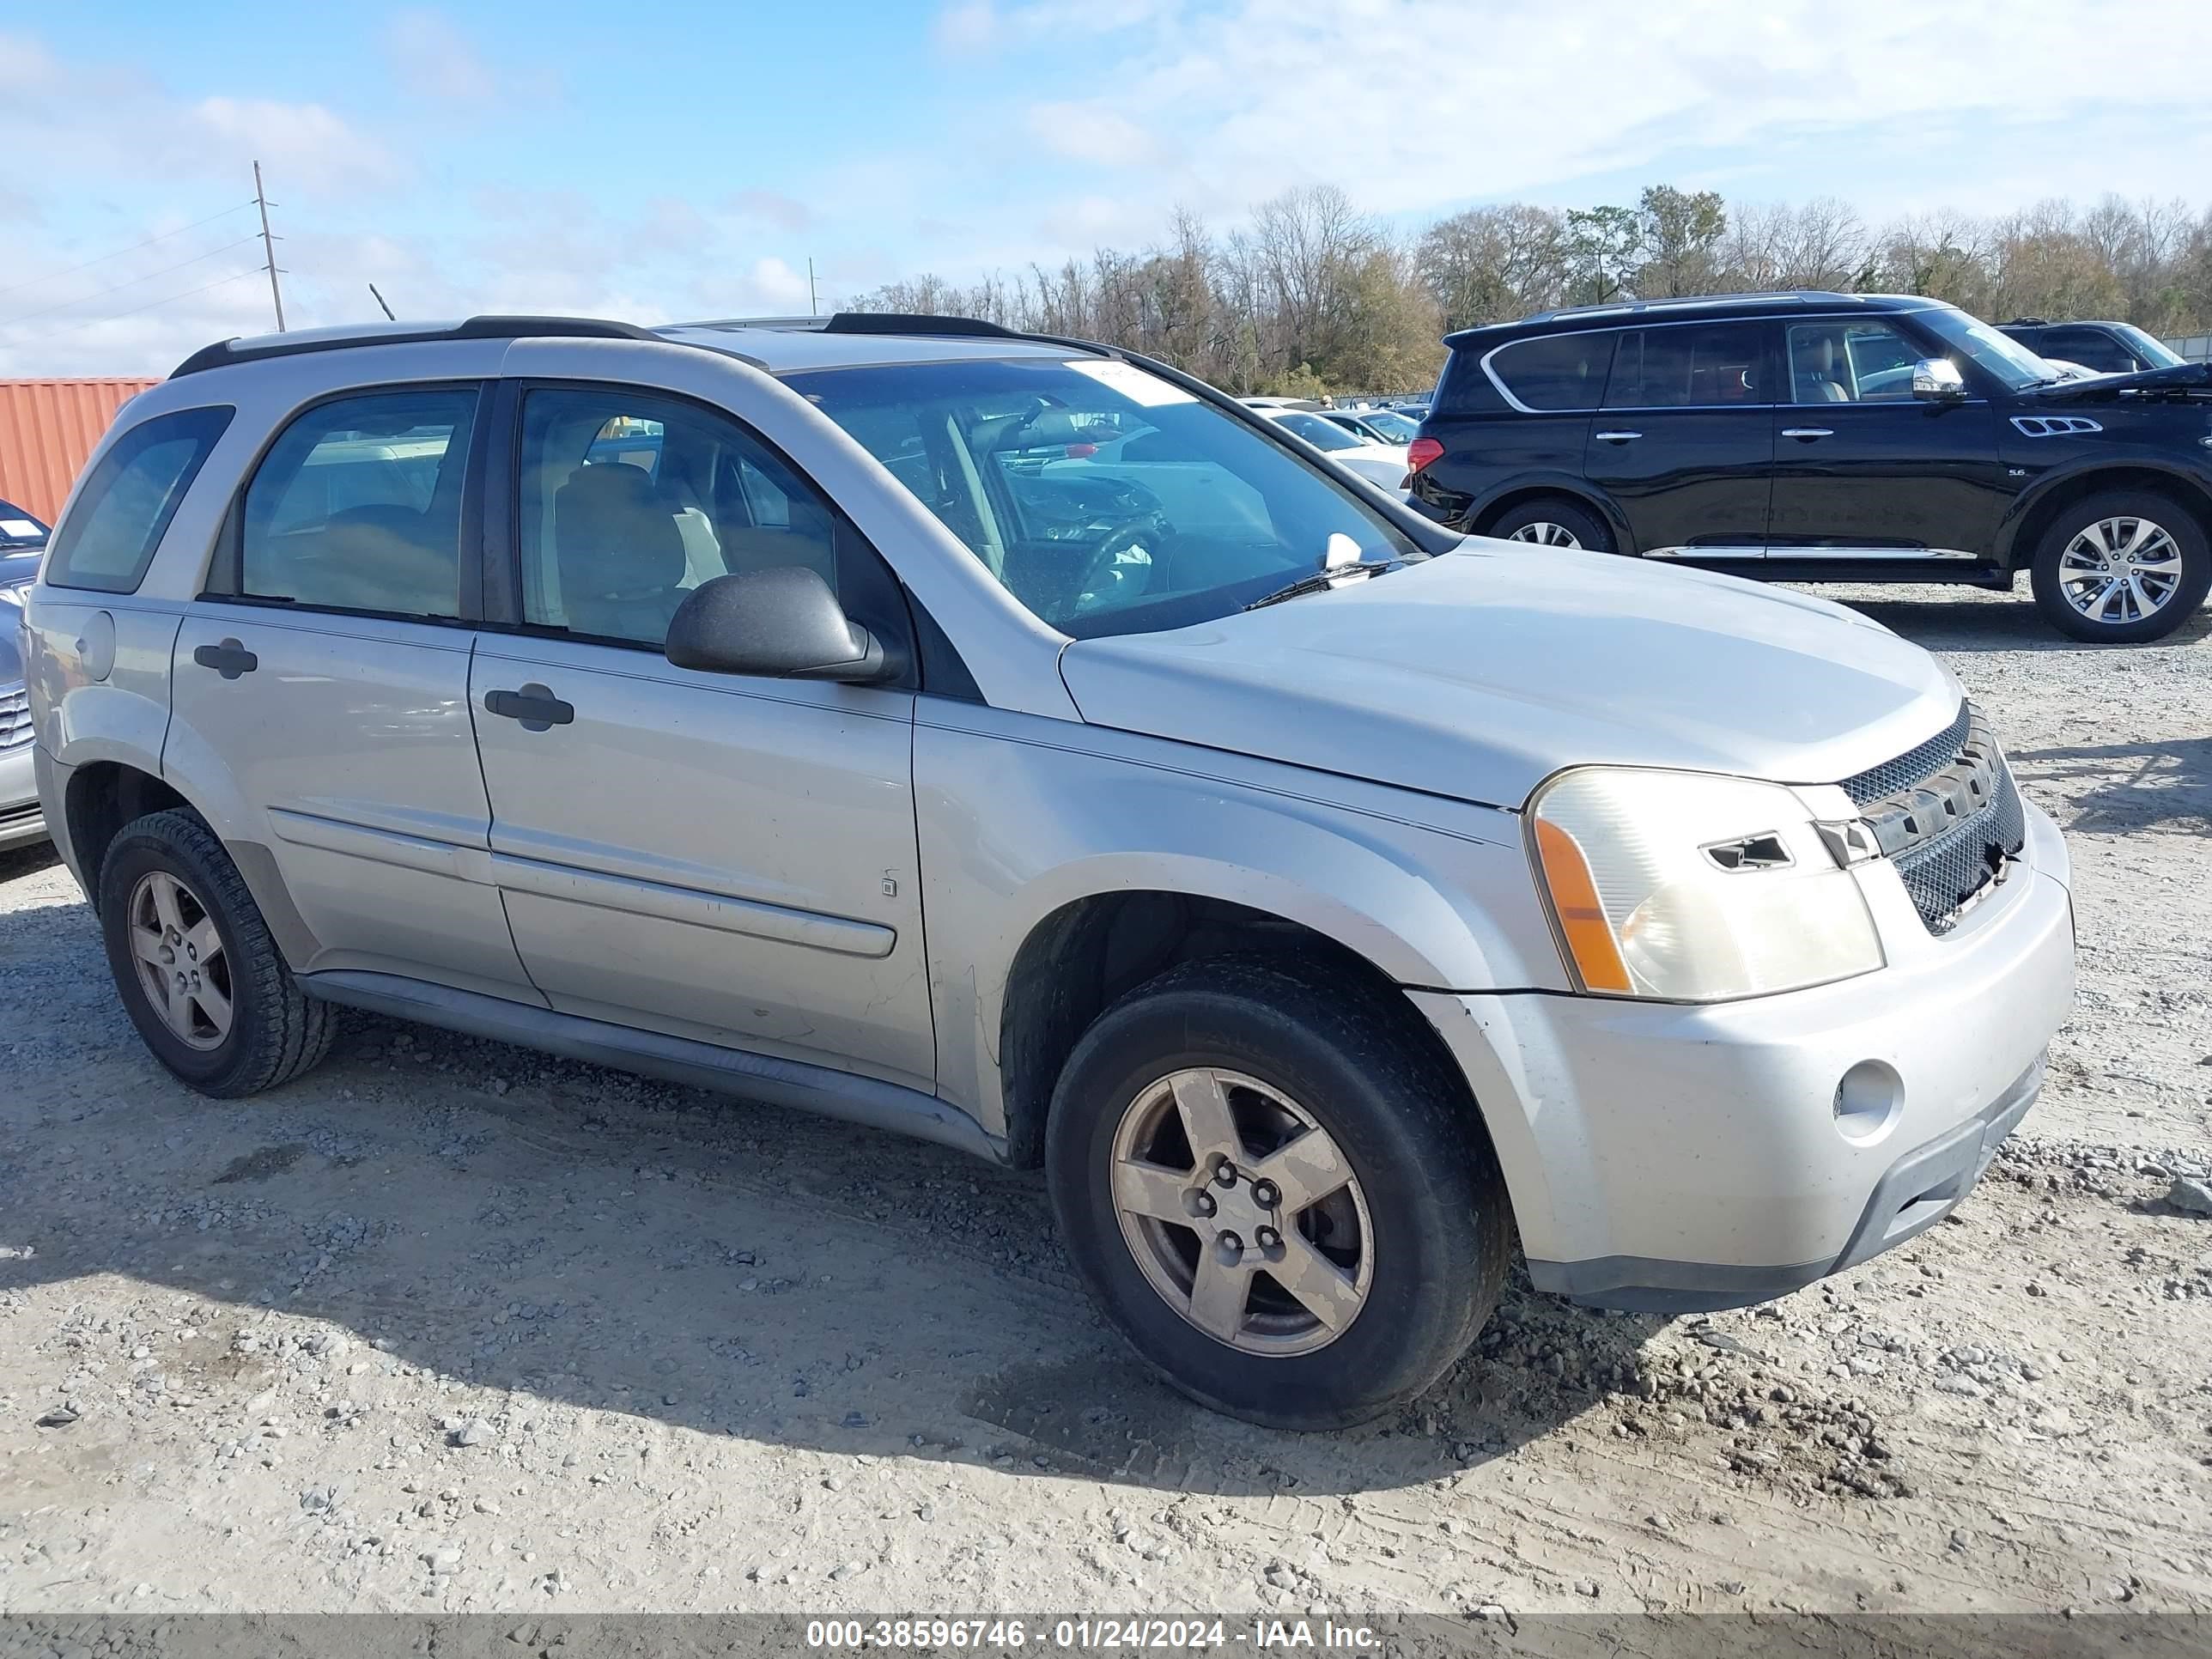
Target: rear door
{"x":1685,"y":440}
{"x":1864,"y":469}
{"x":325,"y":671}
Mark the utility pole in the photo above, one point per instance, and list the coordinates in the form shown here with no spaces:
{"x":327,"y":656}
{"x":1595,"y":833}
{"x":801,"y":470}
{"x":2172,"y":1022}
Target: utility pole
{"x":813,"y":301}
{"x":268,"y":247}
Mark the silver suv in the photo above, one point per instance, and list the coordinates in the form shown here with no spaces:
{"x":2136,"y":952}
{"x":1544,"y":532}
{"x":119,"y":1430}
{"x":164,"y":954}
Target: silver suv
{"x":1014,"y":743}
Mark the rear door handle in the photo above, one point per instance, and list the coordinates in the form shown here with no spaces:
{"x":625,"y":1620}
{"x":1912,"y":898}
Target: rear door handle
{"x":534,"y":705}
{"x":1807,"y":432}
{"x":1615,"y":437}
{"x":230,"y":658}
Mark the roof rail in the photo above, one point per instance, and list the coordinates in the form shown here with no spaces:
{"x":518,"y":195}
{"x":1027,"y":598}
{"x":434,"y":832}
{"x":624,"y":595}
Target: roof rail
{"x":226,"y":352}
{"x":2029,"y":322}
{"x":1689,"y":302}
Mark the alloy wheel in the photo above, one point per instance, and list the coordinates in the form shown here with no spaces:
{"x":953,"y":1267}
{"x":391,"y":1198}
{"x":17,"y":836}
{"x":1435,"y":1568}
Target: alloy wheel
{"x":182,"y":966}
{"x":1242,"y":1211}
{"x":2120,"y":570}
{"x":1545,"y":534}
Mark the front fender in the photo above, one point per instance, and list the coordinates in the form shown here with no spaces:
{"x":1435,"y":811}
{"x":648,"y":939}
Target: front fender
{"x":2027,"y":509}
{"x":1020,"y":817}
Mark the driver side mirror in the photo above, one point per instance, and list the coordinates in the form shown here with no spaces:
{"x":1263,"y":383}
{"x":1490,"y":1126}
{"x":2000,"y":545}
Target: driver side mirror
{"x":1937,"y":381}
{"x":781,"y":624}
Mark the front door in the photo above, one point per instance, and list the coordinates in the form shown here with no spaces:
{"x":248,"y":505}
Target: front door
{"x":1685,"y":440}
{"x":1862,"y":468}
{"x":326,"y":672}
{"x":714,"y":856}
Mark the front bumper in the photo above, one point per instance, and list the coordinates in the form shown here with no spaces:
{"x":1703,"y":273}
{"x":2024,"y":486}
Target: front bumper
{"x":1674,"y":1158}
{"x":20,"y":820}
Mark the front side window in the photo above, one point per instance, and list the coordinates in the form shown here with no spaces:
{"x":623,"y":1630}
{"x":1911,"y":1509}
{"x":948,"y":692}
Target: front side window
{"x":629,"y":500}
{"x":1849,"y":361}
{"x":1105,"y":499}
{"x":1688,"y":366}
{"x":2089,"y":347}
{"x":107,"y":542}
{"x":1565,"y":372}
{"x":357,"y":506}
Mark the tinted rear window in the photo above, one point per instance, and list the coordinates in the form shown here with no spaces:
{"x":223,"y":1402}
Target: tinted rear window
{"x":1564,"y":372}
{"x":108,"y":538}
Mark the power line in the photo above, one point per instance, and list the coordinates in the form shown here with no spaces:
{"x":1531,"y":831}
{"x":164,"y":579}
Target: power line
{"x":132,"y":283}
{"x":133,"y":248}
{"x":234,"y":276}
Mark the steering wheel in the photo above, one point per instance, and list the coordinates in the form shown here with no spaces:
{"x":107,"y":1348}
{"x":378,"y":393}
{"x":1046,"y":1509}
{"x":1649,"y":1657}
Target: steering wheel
{"x":1106,"y":578}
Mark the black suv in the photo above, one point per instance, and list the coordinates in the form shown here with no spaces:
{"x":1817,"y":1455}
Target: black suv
{"x":1831,"y":437}
{"x":2108,"y":348}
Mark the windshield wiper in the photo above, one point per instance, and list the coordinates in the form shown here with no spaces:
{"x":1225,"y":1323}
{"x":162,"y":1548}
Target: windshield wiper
{"x":1322,"y":580}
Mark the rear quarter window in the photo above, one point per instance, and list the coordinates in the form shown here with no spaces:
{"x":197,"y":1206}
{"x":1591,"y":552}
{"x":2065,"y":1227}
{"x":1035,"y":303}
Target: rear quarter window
{"x":107,"y":538}
{"x":1563,"y":372}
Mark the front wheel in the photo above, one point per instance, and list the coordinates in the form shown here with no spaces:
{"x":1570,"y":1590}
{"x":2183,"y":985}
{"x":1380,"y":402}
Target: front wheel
{"x":2122,"y":567}
{"x":1276,"y":1192}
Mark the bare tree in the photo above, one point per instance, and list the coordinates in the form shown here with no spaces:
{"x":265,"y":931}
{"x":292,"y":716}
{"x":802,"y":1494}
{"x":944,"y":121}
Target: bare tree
{"x":1313,"y":296}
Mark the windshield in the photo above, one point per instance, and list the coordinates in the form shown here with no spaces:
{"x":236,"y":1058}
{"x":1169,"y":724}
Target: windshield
{"x":1322,"y":434}
{"x":2151,"y":350}
{"x":1997,"y":353}
{"x":1106,"y":500}
{"x":19,"y":529}
{"x":1394,"y":429}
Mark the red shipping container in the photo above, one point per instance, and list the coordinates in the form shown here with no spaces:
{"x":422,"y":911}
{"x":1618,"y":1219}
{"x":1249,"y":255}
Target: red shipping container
{"x":47,"y":429}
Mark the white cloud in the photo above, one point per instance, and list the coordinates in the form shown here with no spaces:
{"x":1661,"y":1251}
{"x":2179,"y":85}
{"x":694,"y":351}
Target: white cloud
{"x":433,"y":59}
{"x":967,"y":26}
{"x":1416,"y":105}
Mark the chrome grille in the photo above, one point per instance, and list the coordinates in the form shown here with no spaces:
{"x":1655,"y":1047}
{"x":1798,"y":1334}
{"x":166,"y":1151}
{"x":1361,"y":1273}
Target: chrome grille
{"x":15,"y":718}
{"x":1948,"y":815}
{"x":1914,"y":764}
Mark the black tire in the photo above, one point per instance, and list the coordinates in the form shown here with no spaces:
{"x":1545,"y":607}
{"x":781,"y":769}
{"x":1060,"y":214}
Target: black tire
{"x":1590,"y":531}
{"x":276,"y":1031}
{"x":1439,"y":1226}
{"x":2169,"y":515}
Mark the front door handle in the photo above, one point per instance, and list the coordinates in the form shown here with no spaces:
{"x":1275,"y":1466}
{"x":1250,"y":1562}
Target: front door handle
{"x":1615,"y":437}
{"x":229,"y":660}
{"x":1807,"y":433}
{"x":534,"y":705}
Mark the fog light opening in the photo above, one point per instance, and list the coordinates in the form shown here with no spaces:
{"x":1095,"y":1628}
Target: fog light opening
{"x":1868,"y":1100}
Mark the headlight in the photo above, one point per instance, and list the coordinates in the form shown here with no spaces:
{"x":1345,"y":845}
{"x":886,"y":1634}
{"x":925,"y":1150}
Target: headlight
{"x":1689,"y":887}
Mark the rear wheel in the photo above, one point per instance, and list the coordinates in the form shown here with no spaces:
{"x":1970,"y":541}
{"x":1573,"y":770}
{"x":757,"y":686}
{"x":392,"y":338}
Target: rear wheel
{"x":198,"y":974}
{"x":1275,"y":1191}
{"x":2122,"y":567}
{"x":1553,"y":522}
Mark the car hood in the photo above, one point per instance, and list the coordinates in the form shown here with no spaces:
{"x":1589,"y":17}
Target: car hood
{"x":1481,"y":672}
{"x":2186,"y":380}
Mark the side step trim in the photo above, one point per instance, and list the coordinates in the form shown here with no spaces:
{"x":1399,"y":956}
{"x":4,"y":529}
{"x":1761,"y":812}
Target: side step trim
{"x":863,"y":1100}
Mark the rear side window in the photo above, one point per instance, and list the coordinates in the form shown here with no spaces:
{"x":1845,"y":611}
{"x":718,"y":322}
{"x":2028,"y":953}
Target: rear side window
{"x":1690,"y":366}
{"x":357,"y":506}
{"x":1565,"y":372}
{"x":109,"y":540}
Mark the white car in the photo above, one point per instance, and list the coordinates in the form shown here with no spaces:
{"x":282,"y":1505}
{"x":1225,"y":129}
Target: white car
{"x":1381,"y":464}
{"x":1375,"y":425}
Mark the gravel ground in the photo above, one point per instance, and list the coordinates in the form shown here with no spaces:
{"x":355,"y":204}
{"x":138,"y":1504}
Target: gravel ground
{"x":449,"y":1326}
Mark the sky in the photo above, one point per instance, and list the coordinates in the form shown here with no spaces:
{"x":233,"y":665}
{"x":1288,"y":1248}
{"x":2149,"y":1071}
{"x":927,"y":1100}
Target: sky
{"x":679,"y":159}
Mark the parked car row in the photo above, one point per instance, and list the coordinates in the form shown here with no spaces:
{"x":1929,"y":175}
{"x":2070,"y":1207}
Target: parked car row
{"x":1328,"y":904}
{"x":1817,"y":437}
{"x":22,"y":539}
